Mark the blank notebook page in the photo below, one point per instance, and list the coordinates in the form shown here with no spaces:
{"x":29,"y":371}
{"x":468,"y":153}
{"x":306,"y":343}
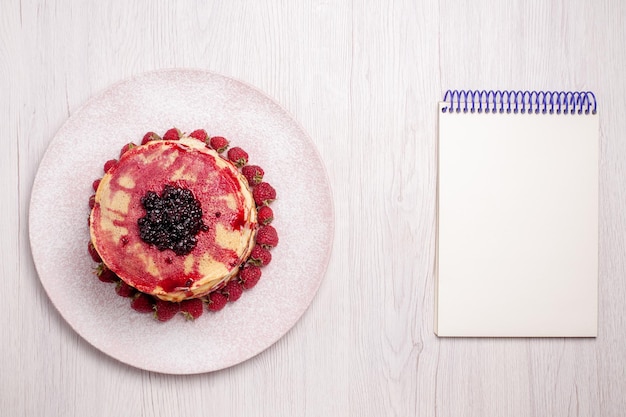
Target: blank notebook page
{"x":517,"y":238}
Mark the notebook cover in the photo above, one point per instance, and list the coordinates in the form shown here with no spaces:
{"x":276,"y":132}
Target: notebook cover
{"x":517,"y":235}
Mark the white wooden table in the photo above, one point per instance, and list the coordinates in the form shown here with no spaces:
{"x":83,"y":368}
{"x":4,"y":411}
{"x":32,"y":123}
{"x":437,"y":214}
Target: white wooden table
{"x":363,"y":78}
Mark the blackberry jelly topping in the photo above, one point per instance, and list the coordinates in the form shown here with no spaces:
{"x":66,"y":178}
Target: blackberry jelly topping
{"x":172,"y":220}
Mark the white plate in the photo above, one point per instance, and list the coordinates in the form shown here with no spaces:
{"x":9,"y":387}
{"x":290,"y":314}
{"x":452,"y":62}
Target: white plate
{"x":189,"y":100}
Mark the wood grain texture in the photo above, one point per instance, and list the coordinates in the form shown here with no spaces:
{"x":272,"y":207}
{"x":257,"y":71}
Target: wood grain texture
{"x":363,"y":78}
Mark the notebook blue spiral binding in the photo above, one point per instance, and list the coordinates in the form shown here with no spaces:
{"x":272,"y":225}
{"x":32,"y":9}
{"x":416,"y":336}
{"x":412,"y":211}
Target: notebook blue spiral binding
{"x":510,"y":101}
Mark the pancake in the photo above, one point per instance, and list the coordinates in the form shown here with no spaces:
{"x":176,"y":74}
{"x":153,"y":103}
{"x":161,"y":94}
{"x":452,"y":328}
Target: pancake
{"x":173,"y":219}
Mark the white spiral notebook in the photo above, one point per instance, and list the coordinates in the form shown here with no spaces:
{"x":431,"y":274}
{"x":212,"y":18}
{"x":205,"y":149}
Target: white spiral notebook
{"x":517,"y":214}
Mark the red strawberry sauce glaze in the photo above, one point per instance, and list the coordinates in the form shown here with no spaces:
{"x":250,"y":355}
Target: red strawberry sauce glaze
{"x":148,"y":168}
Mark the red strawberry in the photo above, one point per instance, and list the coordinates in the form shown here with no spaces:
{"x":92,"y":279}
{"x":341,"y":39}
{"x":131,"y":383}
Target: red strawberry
{"x":249,"y":276}
{"x":165,"y":310}
{"x":265,"y":215}
{"x":92,"y":201}
{"x":263,"y":194}
{"x":92,"y":251}
{"x":217,"y":301}
{"x":150,"y":136}
{"x":192,"y":309}
{"x":127,"y":147}
{"x":237,"y":156}
{"x":105,"y":274}
{"x":172,"y":134}
{"x":267,"y":236}
{"x":95,"y":184}
{"x":142,"y":303}
{"x":253,"y":173}
{"x":260,"y":256}
{"x":124,"y":290}
{"x":109,"y":164}
{"x":108,"y":276}
{"x":233,"y":290}
{"x":218,"y":143}
{"x":199,"y":134}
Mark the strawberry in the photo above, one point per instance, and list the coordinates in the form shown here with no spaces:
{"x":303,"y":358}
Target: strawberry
{"x":165,"y":310}
{"x":237,"y":156}
{"x":142,"y":303}
{"x":109,"y":164}
{"x":92,"y":201}
{"x":95,"y":184}
{"x":217,"y":301}
{"x":128,"y":146}
{"x":265,"y":215}
{"x":232,"y":290}
{"x":172,"y":134}
{"x":253,"y":173}
{"x":263,"y":194}
{"x":218,"y":143}
{"x":108,"y":276}
{"x":92,"y":251}
{"x":260,"y":256}
{"x":199,"y":134}
{"x":249,"y":276}
{"x":192,"y":308}
{"x":105,"y":274}
{"x":150,"y":136}
{"x":267,"y":236}
{"x":124,"y":290}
